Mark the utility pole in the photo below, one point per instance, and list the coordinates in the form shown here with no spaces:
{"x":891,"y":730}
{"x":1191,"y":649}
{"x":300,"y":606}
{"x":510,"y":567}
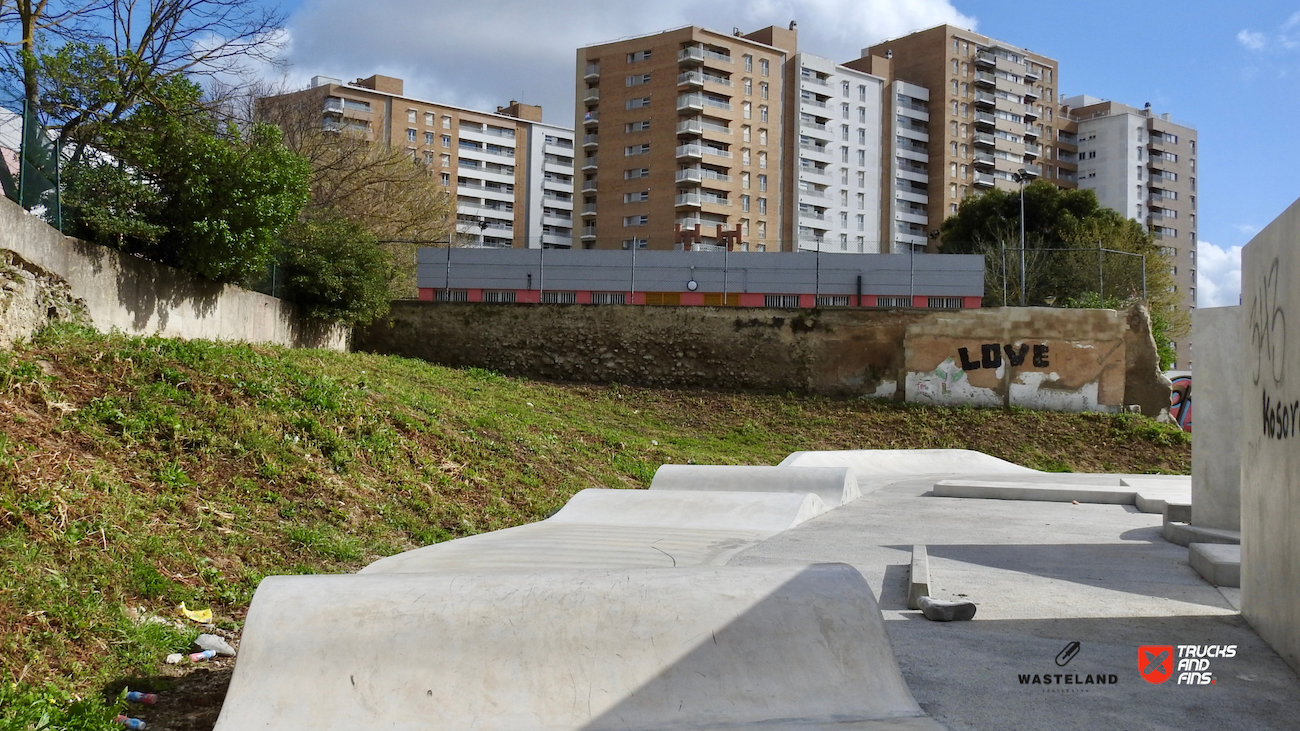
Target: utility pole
{"x":1022,"y":177}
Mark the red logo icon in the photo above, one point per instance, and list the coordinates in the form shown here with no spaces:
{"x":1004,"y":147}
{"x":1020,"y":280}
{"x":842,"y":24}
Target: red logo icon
{"x":1156,"y":662}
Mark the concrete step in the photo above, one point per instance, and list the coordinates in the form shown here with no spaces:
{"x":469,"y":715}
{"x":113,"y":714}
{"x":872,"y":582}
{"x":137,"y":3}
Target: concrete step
{"x":1185,"y":534}
{"x":919,"y":583}
{"x":834,"y":485}
{"x":1217,"y":563}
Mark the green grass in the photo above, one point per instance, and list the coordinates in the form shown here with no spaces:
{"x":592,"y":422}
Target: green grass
{"x":140,"y":473}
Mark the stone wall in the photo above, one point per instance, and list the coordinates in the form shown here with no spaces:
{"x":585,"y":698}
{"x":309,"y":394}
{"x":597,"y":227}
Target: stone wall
{"x":1046,"y":358}
{"x":31,"y":298}
{"x":1217,"y":345}
{"x":1270,"y":435}
{"x":143,"y":298}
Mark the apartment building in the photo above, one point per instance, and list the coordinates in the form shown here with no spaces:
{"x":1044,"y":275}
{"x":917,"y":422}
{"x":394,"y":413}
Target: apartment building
{"x":834,"y":115}
{"x":683,"y":140}
{"x":512,"y":174}
{"x":1143,"y":164}
{"x":994,"y":117}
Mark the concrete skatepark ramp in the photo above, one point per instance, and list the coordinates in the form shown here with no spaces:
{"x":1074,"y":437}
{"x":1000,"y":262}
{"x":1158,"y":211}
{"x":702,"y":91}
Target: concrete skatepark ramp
{"x":799,"y":647}
{"x":869,"y":463}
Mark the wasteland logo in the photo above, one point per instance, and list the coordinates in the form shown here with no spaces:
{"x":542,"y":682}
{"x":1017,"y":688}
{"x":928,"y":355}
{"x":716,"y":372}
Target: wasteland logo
{"x":1063,"y":658}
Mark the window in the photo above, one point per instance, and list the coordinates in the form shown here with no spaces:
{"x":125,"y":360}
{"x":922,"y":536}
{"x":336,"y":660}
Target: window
{"x":954,"y":63}
{"x":429,"y":119}
{"x":954,"y":87}
{"x":762,"y":136}
{"x":744,"y":133}
{"x":844,"y":198}
{"x":862,"y":158}
{"x":965,"y":111}
{"x":410,"y":135}
{"x":862,"y":179}
{"x":862,"y":94}
{"x":446,"y":140}
{"x":762,"y":232}
{"x":844,"y":154}
{"x":744,"y":203}
{"x":844,"y":176}
{"x":862,"y":222}
{"x":749,"y":62}
{"x":763,"y":66}
{"x":762,"y":113}
{"x":762,"y":159}
{"x":446,"y":160}
{"x":428,"y":157}
{"x":862,"y":136}
{"x":636,"y":149}
{"x":638,"y":56}
{"x":762,"y":206}
{"x":638,"y":103}
{"x":746,"y":110}
{"x":954,"y":109}
{"x":762,"y":182}
{"x":862,"y":115}
{"x":637,"y":197}
{"x":636,"y":126}
{"x":844,"y":219}
{"x":844,"y":111}
{"x":862,"y":201}
{"x":744,"y":156}
{"x":748,"y":85}
{"x":844,"y":246}
{"x":636,"y":220}
{"x":446,"y":122}
{"x":446,"y":179}
{"x":762,"y":90}
{"x":634,"y":173}
{"x":638,"y":80}
{"x":844,"y":89}
{"x":844,"y":132}
{"x":428,"y":138}
{"x":411,"y":116}
{"x":744,"y":180}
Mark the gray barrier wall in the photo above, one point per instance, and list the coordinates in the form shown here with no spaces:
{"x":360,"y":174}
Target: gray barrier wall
{"x":1217,"y":336}
{"x":143,"y":298}
{"x":1270,"y":435}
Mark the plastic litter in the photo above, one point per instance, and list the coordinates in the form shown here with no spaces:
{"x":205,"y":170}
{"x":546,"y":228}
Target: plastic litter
{"x":175,"y":658}
{"x":202,"y":656}
{"x":135,"y":696}
{"x":215,"y":643}
{"x":135,"y":724}
{"x":202,"y":616}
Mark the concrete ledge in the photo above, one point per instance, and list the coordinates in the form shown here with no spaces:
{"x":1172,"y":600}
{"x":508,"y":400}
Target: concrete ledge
{"x":1185,"y":535}
{"x":919,"y":583}
{"x":834,"y":485}
{"x":877,"y":462}
{"x":1217,"y":563}
{"x":1029,"y":491}
{"x":1178,"y":512}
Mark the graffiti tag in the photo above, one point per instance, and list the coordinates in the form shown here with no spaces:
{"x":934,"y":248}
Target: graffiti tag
{"x":1180,"y":401}
{"x":1281,"y":420}
{"x":1268,"y":328}
{"x":991,"y":356}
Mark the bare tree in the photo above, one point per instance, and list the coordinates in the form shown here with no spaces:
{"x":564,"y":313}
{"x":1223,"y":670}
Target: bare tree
{"x":24,"y":22}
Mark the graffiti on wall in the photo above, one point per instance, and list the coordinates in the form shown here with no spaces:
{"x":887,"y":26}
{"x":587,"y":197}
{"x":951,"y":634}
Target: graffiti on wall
{"x":991,"y":356}
{"x":1281,"y":417}
{"x":1180,"y":401}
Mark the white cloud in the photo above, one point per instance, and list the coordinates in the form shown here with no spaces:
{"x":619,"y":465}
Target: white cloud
{"x":1218,"y":275}
{"x":1248,"y":229}
{"x":462,"y":53}
{"x":1252,"y":40}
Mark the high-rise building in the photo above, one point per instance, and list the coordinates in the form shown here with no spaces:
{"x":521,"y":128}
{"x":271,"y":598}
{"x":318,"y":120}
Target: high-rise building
{"x":683,"y":139}
{"x":511,"y":173}
{"x":993,"y":113}
{"x":1143,"y":165}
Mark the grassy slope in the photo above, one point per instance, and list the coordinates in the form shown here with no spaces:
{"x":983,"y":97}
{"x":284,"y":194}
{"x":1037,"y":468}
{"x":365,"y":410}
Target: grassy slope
{"x":142,"y":473}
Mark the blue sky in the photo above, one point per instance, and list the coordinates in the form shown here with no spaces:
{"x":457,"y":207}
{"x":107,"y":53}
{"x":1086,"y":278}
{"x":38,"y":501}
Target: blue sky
{"x":1228,"y":70}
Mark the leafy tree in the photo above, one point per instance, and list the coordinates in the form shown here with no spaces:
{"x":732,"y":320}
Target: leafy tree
{"x":177,"y":188}
{"x":334,"y":270}
{"x":1161,"y":328}
{"x":1065,"y":232}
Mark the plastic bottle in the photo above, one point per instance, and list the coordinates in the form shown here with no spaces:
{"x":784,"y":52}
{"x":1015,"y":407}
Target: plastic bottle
{"x":202,"y":656}
{"x":135,"y":696}
{"x":134,"y":724}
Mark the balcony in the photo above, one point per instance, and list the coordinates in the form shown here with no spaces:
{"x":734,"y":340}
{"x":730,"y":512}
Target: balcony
{"x":984,"y":138}
{"x":1031,"y":131}
{"x":699,"y":199}
{"x":700,"y":175}
{"x":591,"y":96}
{"x":590,"y":140}
{"x":985,"y":119}
{"x":588,"y":232}
{"x":985,"y":78}
{"x":589,"y":209}
{"x":589,"y":162}
{"x":985,"y":98}
{"x":699,"y":78}
{"x":810,"y":79}
{"x":592,"y":72}
{"x":1031,"y":93}
{"x":806,"y":170}
{"x":814,"y":215}
{"x":693,"y":151}
{"x":589,"y":186}
{"x":699,"y":127}
{"x":821,"y":149}
{"x":811,"y":102}
{"x":984,"y":159}
{"x":1031,"y":74}
{"x":813,"y":193}
{"x":1031,"y":112}
{"x":1033,"y":149}
{"x":590,"y":118}
{"x":1034,"y":170}
{"x":984,"y":58}
{"x":984,"y":179}
{"x":699,"y":54}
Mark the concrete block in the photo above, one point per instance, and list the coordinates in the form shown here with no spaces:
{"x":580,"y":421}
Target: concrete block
{"x":919,"y":583}
{"x":1184,"y":534}
{"x":869,"y":463}
{"x":834,"y":485}
{"x":1178,"y":512}
{"x":1217,"y":563}
{"x":798,"y":647}
{"x":1218,"y":340}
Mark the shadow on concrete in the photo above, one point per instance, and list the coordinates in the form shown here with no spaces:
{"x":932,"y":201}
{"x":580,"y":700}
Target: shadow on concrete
{"x":893,"y":587}
{"x":150,"y":290}
{"x":968,"y":674}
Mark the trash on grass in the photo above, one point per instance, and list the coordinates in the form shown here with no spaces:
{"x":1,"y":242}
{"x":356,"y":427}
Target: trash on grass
{"x":135,"y":696}
{"x":215,"y":643}
{"x":175,"y":658}
{"x":202,"y":616}
{"x":135,"y":724}
{"x":202,"y":656}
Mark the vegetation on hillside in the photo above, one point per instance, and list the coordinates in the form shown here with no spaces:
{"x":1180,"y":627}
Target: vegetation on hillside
{"x":137,"y":474}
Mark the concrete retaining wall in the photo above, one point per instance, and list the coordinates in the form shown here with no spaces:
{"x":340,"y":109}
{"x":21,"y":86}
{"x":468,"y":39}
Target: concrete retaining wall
{"x":1217,"y":342}
{"x":1042,"y":358}
{"x":144,"y":298}
{"x":1270,"y":446}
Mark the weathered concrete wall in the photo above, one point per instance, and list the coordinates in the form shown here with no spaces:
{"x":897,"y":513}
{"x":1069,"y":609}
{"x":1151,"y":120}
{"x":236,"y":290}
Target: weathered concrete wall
{"x":1270,"y":446}
{"x":1217,"y":341}
{"x":144,"y":298}
{"x":1081,"y":354}
{"x":1034,"y":357}
{"x":31,"y":298}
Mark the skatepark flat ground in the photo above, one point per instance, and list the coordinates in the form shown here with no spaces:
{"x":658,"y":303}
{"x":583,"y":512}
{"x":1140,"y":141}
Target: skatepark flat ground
{"x":1044,"y":574}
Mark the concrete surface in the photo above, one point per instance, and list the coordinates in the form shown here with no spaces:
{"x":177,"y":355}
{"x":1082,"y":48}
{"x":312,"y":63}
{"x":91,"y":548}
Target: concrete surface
{"x":1148,"y":493}
{"x":1217,"y":563}
{"x":874,"y":463}
{"x":918,"y":577}
{"x":1185,"y":534}
{"x":1045,"y":574}
{"x":1270,"y":433}
{"x":834,"y":485}
{"x":789,"y":647}
{"x":1218,"y":340}
{"x":608,"y":529}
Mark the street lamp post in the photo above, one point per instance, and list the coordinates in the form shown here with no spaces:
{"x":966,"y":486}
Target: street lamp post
{"x":1022,"y":177}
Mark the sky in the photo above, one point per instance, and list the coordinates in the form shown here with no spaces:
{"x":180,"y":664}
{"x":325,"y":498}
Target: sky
{"x":1231,"y":71}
